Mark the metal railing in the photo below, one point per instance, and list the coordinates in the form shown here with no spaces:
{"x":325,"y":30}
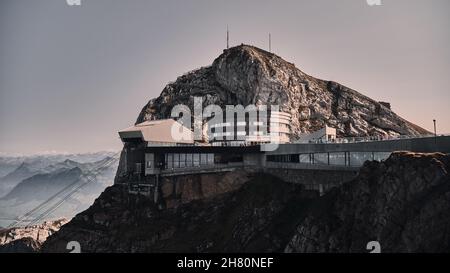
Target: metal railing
{"x":369,"y":139}
{"x":205,"y":167}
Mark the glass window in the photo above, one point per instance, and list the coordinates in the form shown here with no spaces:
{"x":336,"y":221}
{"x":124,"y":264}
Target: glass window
{"x":176,"y":160}
{"x":304,"y":158}
{"x":169,"y":161}
{"x":321,"y":158}
{"x":337,"y":158}
{"x":358,"y":158}
{"x":189,"y":162}
{"x":182,"y":160}
{"x":196,"y":159}
{"x":210,"y":159}
{"x":379,"y":156}
{"x":203,"y":159}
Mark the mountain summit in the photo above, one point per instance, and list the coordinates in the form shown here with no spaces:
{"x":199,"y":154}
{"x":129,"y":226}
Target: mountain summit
{"x":249,"y":75}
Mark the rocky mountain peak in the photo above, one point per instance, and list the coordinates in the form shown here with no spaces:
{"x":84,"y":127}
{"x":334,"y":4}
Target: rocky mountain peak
{"x":255,"y":76}
{"x":248,"y":75}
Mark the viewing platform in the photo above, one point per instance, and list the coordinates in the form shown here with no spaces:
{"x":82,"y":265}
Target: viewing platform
{"x":318,"y":160}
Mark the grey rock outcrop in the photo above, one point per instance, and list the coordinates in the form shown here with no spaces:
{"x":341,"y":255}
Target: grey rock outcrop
{"x":249,"y":75}
{"x":403,"y":203}
{"x":27,"y":239}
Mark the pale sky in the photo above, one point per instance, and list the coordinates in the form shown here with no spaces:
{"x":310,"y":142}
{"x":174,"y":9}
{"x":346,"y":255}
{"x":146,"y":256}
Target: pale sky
{"x":72,"y":76}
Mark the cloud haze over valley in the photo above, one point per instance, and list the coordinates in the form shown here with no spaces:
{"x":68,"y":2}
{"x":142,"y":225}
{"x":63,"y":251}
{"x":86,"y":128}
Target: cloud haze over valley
{"x":72,"y":76}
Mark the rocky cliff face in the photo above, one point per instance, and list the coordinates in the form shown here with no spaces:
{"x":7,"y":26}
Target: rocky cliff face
{"x":404,"y":203}
{"x":179,"y":190}
{"x":249,"y":75}
{"x":27,"y":239}
{"x":249,"y":216}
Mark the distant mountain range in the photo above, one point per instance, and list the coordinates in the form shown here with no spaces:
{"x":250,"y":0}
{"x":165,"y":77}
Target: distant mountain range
{"x":37,"y":178}
{"x":9,"y":163}
{"x":22,"y":172}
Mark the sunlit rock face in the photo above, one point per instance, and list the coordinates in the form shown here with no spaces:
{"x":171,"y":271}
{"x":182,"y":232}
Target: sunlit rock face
{"x":249,"y":75}
{"x":28,"y":239}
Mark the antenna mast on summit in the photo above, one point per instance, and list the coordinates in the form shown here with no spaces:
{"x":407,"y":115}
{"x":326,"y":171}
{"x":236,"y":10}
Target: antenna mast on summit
{"x":270,"y":44}
{"x":228,"y":38}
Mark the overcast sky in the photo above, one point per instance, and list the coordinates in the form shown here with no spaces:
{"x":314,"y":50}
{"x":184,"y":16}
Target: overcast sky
{"x":71,"y":76}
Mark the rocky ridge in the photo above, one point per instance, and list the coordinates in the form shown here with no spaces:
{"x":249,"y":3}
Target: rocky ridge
{"x":402,"y":203}
{"x":28,"y":239}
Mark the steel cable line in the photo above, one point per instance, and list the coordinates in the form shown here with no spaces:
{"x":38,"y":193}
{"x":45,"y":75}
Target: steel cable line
{"x":60,"y":192}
